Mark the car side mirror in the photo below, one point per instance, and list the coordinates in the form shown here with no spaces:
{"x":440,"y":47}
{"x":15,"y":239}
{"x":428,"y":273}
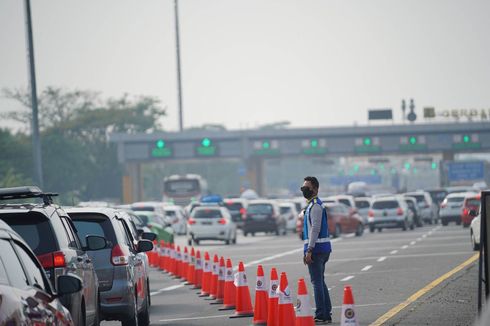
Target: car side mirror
{"x":144,"y":245}
{"x":473,"y":212}
{"x":148,"y":236}
{"x":68,"y":284}
{"x":95,"y":242}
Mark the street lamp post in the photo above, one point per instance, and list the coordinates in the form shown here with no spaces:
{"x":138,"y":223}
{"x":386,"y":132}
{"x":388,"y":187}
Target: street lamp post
{"x":179,"y":78}
{"x":36,"y":142}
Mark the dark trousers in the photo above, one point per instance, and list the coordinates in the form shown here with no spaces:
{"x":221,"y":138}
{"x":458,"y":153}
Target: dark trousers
{"x":320,"y":290}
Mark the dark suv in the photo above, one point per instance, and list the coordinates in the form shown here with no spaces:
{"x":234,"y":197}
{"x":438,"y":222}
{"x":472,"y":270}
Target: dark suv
{"x":264,"y":216}
{"x":50,"y":233}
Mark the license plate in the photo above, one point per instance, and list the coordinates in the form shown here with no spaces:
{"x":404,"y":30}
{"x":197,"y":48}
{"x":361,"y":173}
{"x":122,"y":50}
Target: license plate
{"x":206,"y":223}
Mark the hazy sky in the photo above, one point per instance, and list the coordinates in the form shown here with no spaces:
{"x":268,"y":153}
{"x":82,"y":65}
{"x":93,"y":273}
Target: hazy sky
{"x":249,"y":62}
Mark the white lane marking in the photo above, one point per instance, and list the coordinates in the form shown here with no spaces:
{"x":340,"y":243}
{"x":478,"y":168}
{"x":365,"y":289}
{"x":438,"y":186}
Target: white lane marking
{"x":412,"y":243}
{"x":366,"y":268}
{"x":393,"y":252}
{"x":424,"y":236}
{"x":405,"y":247}
{"x":380,"y":259}
{"x":350,"y":235}
{"x":223,"y":316}
{"x":345,"y":279}
{"x":286,"y":253}
{"x":419,"y":239}
{"x":168,"y":288}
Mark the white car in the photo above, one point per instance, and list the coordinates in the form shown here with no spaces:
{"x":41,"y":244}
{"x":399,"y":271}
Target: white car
{"x":475,"y":233}
{"x":427,"y":208}
{"x":175,"y":216}
{"x":451,"y":207}
{"x":288,"y":209}
{"x":363,"y":204}
{"x":347,"y":200}
{"x":211,"y":223}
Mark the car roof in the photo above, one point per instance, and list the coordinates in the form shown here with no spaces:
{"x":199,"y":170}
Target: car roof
{"x":461,"y":194}
{"x":387,"y":198}
{"x":262,"y":201}
{"x":97,"y":210}
{"x":208,"y":207}
{"x":46,"y":210}
{"x":363,"y":198}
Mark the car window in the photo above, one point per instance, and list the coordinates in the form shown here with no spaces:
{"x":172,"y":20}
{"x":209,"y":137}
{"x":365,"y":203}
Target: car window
{"x":234,"y":206}
{"x":345,"y":202}
{"x":72,"y":242}
{"x":207,"y":213}
{"x":385,"y":204}
{"x":285,"y":210}
{"x":362,"y":204}
{"x":260,"y":209}
{"x":35,"y":229}
{"x":127,"y":237}
{"x":455,"y":199}
{"x":15,"y":272}
{"x":170,"y":213}
{"x":87,"y":224}
{"x":420,"y":198}
{"x":473,"y":202}
{"x":31,"y":268}
{"x":143,"y":208}
{"x":410,"y":204}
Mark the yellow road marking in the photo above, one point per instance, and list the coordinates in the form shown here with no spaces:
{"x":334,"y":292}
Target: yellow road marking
{"x":395,"y":310}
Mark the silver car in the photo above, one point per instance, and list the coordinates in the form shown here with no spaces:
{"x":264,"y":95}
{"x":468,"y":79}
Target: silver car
{"x":390,"y":212}
{"x":363,"y":204}
{"x":211,"y":223}
{"x":427,"y":208}
{"x":451,"y":207}
{"x":123,"y":278}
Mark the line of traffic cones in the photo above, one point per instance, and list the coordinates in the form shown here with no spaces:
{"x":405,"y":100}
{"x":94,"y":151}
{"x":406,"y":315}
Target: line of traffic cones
{"x":273,"y":304}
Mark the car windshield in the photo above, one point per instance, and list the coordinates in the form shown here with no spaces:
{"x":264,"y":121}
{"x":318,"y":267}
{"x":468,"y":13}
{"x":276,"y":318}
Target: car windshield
{"x":259,"y":209}
{"x":455,"y":199}
{"x":170,"y":213}
{"x":473,"y":202}
{"x":285,"y":210}
{"x":234,"y":206}
{"x":207,"y":213}
{"x":420,"y":198}
{"x":385,"y":204}
{"x":35,"y":229}
{"x":93,"y":224}
{"x":143,"y":208}
{"x":345,"y":202}
{"x":362,"y":204}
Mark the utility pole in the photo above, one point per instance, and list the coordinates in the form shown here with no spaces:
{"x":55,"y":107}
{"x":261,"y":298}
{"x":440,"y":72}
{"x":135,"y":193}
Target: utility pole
{"x":36,"y":141}
{"x":179,"y":78}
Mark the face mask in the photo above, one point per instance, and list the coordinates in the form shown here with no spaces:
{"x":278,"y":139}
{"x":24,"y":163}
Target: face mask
{"x":307,"y":192}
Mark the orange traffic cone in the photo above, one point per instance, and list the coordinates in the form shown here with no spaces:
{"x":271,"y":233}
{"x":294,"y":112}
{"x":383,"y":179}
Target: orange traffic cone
{"x":273,"y":299}
{"x":172,"y":262}
{"x":285,"y":309}
{"x":243,"y":302}
{"x":191,"y":268}
{"x":185,"y":264}
{"x":230,"y":290}
{"x":198,"y":271}
{"x":168,"y":250}
{"x":260,"y":309}
{"x":304,"y":314}
{"x":178,"y":263}
{"x":153,"y":258}
{"x":348,"y":314}
{"x":206,"y":276}
{"x":220,"y":293}
{"x":213,"y":291}
{"x":161,"y":254}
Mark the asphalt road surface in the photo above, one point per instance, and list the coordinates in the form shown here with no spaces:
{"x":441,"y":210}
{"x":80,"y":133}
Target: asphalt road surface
{"x":383,"y":268}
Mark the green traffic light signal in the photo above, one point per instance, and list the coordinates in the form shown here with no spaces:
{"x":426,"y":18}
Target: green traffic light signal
{"x":266,"y":145}
{"x":160,"y":143}
{"x":407,"y":166}
{"x":206,"y":142}
{"x":413,"y":140}
{"x":367,"y":141}
{"x":356,"y":168}
{"x":314,"y":143}
{"x":466,"y":139}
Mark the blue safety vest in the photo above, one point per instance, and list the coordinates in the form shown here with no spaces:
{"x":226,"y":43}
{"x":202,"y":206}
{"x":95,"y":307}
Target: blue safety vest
{"x":322,"y":243}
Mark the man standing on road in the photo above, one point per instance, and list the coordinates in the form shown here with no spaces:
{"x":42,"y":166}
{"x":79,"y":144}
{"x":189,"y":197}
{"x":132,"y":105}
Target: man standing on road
{"x":317,"y":249}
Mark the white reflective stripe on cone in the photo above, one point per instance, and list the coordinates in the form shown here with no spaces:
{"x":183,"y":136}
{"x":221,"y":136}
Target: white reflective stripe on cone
{"x":240,"y":279}
{"x":221,"y":273}
{"x":260,"y":284}
{"x":229,"y":275}
{"x":348,"y":316}
{"x":285,"y":297}
{"x":274,"y":285}
{"x":303,"y":306}
{"x":198,"y":264}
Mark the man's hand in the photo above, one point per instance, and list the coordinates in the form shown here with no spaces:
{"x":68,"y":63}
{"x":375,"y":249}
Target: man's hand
{"x":307,"y":258}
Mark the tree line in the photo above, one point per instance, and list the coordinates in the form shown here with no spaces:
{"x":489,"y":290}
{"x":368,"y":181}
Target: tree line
{"x":78,"y":160}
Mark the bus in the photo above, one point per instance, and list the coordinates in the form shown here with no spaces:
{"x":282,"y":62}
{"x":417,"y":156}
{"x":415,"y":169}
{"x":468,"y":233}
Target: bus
{"x":184,"y":189}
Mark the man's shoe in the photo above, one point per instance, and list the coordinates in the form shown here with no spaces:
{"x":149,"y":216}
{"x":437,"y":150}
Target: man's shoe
{"x":320,"y":321}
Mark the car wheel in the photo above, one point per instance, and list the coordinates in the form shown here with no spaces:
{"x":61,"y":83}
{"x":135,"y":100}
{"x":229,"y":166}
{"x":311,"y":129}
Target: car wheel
{"x":412,"y":225}
{"x":132,"y":318}
{"x":227,"y":242}
{"x":371,"y":229}
{"x":380,"y":229}
{"x":405,"y":225}
{"x":359,"y":230}
{"x":429,"y":221}
{"x":196,"y":242}
{"x":253,"y":234}
{"x":475,"y":245}
{"x":444,"y":222}
{"x":458,"y":222}
{"x":144,"y":316}
{"x":189,"y":242}
{"x":337,"y":231}
{"x":245,"y":233}
{"x":148,"y":292}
